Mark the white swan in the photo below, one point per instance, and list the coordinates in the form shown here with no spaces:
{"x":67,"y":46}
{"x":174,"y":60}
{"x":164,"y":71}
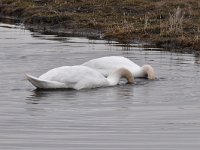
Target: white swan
{"x":78,"y":77}
{"x":106,"y":65}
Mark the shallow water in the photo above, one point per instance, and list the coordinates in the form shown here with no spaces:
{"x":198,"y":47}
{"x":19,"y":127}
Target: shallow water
{"x":162,"y":114}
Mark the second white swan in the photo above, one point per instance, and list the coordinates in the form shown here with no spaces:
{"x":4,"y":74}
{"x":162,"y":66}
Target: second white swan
{"x":106,"y":65}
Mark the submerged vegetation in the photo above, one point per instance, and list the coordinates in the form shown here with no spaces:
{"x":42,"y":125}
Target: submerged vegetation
{"x":171,"y":24}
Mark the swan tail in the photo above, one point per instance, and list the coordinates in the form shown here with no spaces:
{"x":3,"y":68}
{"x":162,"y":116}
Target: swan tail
{"x":43,"y":84}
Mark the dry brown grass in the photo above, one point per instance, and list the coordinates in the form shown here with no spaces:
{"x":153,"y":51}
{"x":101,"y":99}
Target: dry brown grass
{"x":174,"y":22}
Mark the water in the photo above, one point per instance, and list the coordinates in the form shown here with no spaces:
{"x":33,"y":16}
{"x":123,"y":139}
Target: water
{"x":154,"y":115}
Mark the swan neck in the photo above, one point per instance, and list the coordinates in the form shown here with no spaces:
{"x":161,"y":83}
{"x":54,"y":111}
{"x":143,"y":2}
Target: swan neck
{"x":115,"y":77}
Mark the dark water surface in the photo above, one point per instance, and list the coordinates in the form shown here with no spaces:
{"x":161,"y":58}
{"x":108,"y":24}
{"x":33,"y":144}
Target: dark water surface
{"x":150,"y":115}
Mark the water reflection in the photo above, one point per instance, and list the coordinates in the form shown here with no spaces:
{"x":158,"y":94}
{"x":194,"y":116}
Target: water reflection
{"x":160,"y":114}
{"x":197,"y":60}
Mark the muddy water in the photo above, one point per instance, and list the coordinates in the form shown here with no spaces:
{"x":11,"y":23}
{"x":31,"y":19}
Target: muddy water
{"x":150,"y":115}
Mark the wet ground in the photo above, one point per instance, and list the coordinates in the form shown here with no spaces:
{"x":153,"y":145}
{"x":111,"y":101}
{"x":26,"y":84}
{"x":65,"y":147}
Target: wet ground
{"x":161,"y":114}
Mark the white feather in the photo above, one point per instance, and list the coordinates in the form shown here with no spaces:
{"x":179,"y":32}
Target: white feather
{"x":106,"y":65}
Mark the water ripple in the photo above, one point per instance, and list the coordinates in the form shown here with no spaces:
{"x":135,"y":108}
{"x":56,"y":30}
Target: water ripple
{"x":159,"y":114}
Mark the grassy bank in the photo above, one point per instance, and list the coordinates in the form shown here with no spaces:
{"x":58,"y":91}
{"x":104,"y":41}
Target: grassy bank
{"x":171,"y":24}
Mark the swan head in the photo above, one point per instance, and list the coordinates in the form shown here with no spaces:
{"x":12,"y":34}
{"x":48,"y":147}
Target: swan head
{"x":115,"y":76}
{"x":149,"y":71}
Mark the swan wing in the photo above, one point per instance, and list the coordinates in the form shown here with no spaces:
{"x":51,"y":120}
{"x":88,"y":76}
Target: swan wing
{"x":44,"y":84}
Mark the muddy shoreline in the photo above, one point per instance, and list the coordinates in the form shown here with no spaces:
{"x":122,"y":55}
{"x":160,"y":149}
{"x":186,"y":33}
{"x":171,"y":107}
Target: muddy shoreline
{"x":61,"y":31}
{"x":58,"y":30}
{"x":172,"y":26}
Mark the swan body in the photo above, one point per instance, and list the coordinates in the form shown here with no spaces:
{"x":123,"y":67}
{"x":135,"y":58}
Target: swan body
{"x":106,"y":65}
{"x":77,"y":77}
